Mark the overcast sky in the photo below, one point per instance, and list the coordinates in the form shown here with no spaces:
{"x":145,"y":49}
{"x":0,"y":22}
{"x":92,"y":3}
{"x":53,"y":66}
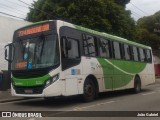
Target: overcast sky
{"x":139,"y":8}
{"x":15,"y":7}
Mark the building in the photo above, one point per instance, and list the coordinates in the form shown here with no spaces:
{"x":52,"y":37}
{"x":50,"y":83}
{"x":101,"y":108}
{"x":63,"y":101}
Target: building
{"x":7,"y":28}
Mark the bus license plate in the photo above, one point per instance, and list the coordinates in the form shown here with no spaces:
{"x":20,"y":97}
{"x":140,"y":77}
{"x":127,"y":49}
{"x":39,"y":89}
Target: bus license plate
{"x":29,"y":91}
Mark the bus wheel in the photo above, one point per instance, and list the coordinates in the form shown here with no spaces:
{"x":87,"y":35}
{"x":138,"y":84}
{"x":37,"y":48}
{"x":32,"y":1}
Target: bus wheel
{"x":89,"y":90}
{"x":137,"y":85}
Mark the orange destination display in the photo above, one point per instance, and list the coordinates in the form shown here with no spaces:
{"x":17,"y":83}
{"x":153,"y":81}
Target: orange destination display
{"x":22,"y":64}
{"x":34,"y":30}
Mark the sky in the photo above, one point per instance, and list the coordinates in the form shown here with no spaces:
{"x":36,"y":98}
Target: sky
{"x":15,"y":7}
{"x":139,"y":8}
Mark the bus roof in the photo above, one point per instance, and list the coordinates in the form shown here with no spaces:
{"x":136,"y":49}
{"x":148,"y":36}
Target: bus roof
{"x":112,"y":37}
{"x":32,"y":24}
{"x":105,"y":35}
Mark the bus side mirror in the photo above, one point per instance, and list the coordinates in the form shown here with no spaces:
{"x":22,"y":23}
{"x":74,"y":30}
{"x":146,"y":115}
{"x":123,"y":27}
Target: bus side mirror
{"x":6,"y":53}
{"x":9,"y":52}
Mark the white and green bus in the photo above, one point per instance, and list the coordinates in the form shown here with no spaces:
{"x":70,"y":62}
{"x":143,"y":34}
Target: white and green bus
{"x":56,"y":58}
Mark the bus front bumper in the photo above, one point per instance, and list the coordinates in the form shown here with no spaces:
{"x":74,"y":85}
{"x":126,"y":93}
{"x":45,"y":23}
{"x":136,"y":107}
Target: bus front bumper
{"x":50,"y":91}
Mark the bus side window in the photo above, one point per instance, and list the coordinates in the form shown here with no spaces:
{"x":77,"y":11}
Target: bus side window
{"x":117,"y":52}
{"x":127,"y":53}
{"x":145,"y":55}
{"x":122,"y":51}
{"x":70,"y":52}
{"x":104,"y":46}
{"x":89,"y":45}
{"x":135,"y":53}
{"x":73,"y":53}
{"x":142,"y":55}
{"x":70,"y":48}
{"x":148,"y":56}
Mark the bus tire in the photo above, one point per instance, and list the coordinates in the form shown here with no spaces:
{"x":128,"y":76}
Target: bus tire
{"x":137,"y":85}
{"x":89,"y":88}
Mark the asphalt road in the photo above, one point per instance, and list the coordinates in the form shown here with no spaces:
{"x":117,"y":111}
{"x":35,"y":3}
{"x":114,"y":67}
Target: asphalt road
{"x":147,"y":100}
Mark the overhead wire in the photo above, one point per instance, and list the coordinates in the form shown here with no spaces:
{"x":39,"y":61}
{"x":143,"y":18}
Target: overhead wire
{"x":4,"y":13}
{"x":138,"y":8}
{"x":12,"y":15}
{"x":17,"y":4}
{"x":4,"y":9}
{"x":8,"y":8}
{"x":24,"y":6}
{"x":136,"y":14}
{"x":30,"y":6}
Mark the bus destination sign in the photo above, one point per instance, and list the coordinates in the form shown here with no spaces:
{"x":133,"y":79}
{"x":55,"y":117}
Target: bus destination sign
{"x":33,"y":30}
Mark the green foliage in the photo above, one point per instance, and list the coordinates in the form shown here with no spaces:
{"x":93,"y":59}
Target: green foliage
{"x":103,"y":15}
{"x":122,"y":2}
{"x":146,"y":33}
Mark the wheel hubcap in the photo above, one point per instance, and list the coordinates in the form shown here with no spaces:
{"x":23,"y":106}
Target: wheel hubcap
{"x":89,"y":90}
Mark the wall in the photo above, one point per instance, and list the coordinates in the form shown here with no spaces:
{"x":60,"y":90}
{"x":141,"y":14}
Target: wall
{"x":7,"y":28}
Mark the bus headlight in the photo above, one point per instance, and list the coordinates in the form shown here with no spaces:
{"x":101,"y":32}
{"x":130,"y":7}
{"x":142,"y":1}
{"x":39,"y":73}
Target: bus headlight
{"x":52,"y":80}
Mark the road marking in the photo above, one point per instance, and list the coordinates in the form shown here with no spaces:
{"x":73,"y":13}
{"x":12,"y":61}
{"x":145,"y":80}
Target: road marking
{"x":85,"y":107}
{"x":105,"y":103}
{"x":31,"y":119}
{"x":90,"y":106}
{"x":149,"y":93}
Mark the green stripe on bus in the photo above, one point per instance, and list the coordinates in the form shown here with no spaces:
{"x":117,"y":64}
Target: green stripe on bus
{"x":118,"y":73}
{"x":30,"y":81}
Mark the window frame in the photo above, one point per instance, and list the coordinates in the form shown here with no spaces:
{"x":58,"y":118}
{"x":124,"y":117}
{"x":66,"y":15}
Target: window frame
{"x":64,"y":33}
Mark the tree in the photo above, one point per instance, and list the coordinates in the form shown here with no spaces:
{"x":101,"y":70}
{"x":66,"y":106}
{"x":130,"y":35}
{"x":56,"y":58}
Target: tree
{"x":148,"y":30}
{"x":103,"y":15}
{"x":122,"y":2}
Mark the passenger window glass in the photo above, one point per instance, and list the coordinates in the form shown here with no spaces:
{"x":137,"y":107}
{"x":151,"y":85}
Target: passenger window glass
{"x":148,"y":56}
{"x":104,"y":48}
{"x":73,"y":52}
{"x":135,"y":54}
{"x":117,"y":50}
{"x":142,"y":55}
{"x":127,"y":52}
{"x":89,"y":45}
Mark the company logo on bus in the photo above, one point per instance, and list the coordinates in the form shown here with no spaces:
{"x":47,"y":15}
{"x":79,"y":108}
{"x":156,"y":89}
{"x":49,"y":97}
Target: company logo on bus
{"x":33,"y":30}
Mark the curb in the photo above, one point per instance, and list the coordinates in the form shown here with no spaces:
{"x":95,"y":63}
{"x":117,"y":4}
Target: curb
{"x":11,"y":100}
{"x":14,"y":99}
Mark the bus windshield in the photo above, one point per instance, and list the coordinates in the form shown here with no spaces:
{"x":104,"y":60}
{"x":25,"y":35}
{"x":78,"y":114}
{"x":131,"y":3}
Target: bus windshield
{"x":38,"y":52}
